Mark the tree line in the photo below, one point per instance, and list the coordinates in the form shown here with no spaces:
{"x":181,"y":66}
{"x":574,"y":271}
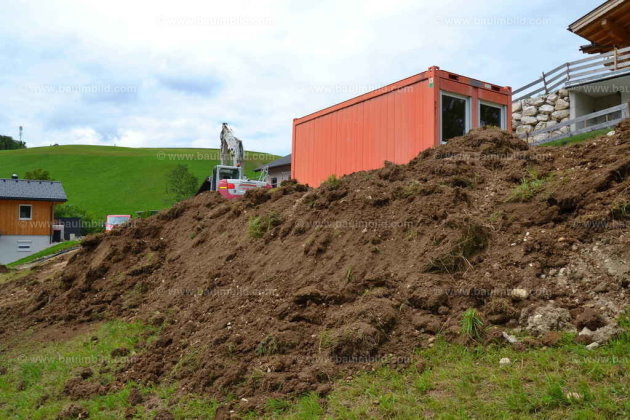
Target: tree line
{"x":9,"y":143}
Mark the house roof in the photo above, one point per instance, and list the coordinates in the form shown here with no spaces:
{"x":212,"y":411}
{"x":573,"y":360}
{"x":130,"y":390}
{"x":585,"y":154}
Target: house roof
{"x":26,"y":189}
{"x":283,"y":161}
{"x":606,"y":27}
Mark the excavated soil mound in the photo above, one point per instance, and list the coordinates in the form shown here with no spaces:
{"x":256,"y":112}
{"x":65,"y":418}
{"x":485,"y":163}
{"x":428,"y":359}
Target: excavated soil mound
{"x":286,"y":290}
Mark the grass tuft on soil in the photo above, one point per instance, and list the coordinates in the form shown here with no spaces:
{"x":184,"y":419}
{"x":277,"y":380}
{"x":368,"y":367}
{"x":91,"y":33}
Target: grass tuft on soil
{"x":259,"y":225}
{"x":472,"y":325}
{"x":474,"y":239}
{"x":529,"y":187}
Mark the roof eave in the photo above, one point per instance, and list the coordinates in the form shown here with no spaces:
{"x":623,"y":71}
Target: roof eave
{"x":52,"y":200}
{"x":596,"y":13}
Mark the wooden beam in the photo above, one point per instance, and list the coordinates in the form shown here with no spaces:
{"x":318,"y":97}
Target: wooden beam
{"x":616,"y":32}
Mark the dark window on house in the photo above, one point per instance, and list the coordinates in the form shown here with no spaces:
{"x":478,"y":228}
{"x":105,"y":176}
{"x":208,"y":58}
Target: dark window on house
{"x":274,"y":182}
{"x":490,"y":116}
{"x":24,"y":246}
{"x":454,"y":117}
{"x":26,"y":212}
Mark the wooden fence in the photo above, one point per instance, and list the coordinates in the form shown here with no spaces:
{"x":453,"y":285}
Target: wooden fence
{"x":613,"y":63}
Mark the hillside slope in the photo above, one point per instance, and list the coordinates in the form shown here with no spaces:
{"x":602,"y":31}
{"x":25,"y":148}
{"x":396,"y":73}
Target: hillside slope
{"x":287,"y":290}
{"x":116,"y":180}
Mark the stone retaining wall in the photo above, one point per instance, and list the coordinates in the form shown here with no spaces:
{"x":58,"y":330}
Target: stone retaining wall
{"x":533,"y":114}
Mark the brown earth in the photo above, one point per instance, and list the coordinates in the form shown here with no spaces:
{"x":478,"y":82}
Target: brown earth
{"x":286,"y":290}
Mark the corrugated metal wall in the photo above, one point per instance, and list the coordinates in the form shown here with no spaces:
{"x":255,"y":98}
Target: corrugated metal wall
{"x":392,"y":126}
{"x":393,"y":123}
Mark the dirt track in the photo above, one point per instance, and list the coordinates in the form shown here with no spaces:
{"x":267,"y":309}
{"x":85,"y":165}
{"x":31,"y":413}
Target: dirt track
{"x":354,"y":274}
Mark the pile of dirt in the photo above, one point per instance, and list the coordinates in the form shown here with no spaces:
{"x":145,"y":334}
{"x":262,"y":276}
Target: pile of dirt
{"x":286,"y":290}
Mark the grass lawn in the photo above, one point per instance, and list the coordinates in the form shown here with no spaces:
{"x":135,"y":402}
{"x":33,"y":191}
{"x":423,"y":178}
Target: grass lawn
{"x":44,"y":253}
{"x":32,"y":385}
{"x":579,"y":138}
{"x":116,"y":180}
{"x":447,"y":381}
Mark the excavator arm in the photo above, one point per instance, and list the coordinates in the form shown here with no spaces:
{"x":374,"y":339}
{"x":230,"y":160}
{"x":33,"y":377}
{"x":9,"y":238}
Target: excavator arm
{"x":231,"y":147}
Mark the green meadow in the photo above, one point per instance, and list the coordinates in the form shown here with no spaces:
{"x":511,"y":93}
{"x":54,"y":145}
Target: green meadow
{"x":117,"y":180}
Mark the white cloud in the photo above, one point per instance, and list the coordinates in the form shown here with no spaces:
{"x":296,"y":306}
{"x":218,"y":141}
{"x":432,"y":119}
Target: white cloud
{"x":78,"y":135}
{"x":255,"y":64}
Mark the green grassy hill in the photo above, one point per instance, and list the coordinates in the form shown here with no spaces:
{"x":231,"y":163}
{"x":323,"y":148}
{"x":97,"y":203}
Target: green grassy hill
{"x":116,"y":180}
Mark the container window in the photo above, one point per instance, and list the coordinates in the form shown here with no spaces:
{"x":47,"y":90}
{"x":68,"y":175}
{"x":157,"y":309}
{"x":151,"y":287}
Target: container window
{"x":26,"y":212}
{"x":491,"y":115}
{"x":455,"y":116}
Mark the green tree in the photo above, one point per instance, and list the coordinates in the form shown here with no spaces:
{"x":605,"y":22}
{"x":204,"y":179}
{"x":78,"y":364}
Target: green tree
{"x":38,"y":174}
{"x":181,"y":183}
{"x":9,"y":143}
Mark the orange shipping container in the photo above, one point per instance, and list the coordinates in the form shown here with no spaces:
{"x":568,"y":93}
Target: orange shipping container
{"x":394,"y":123}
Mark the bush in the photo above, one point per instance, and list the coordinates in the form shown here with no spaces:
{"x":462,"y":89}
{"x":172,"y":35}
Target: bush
{"x":89,"y":224}
{"x":181,"y":183}
{"x":38,"y":174}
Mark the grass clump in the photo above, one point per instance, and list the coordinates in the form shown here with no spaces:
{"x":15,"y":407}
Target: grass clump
{"x":620,"y":210}
{"x":531,"y":185}
{"x":268,"y":346}
{"x":409,"y":190}
{"x":471,"y":325}
{"x":332,"y":182}
{"x":474,"y":239}
{"x":259,"y":225}
{"x":13,"y":274}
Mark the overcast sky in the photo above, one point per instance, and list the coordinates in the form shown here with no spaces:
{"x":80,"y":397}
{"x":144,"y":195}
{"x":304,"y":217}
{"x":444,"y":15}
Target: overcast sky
{"x":166,"y":74}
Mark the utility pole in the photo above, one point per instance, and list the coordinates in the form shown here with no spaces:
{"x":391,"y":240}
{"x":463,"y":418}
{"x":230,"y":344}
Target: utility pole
{"x":21,"y":129}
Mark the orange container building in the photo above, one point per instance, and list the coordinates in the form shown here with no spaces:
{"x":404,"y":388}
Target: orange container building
{"x":394,"y":123}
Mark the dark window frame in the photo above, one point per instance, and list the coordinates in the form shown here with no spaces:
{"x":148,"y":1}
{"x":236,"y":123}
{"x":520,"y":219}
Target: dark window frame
{"x":501,"y":108}
{"x":30,"y":211}
{"x":467,"y":109}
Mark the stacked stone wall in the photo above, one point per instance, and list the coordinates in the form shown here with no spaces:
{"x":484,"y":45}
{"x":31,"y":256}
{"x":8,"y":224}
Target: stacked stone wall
{"x":531,"y":114}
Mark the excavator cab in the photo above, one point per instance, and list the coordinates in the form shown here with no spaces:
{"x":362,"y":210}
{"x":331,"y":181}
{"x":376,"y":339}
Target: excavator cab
{"x":230,"y":182}
{"x":221,"y":172}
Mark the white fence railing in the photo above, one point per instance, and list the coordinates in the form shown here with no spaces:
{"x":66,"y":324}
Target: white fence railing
{"x":605,"y":118}
{"x":574,"y":72}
